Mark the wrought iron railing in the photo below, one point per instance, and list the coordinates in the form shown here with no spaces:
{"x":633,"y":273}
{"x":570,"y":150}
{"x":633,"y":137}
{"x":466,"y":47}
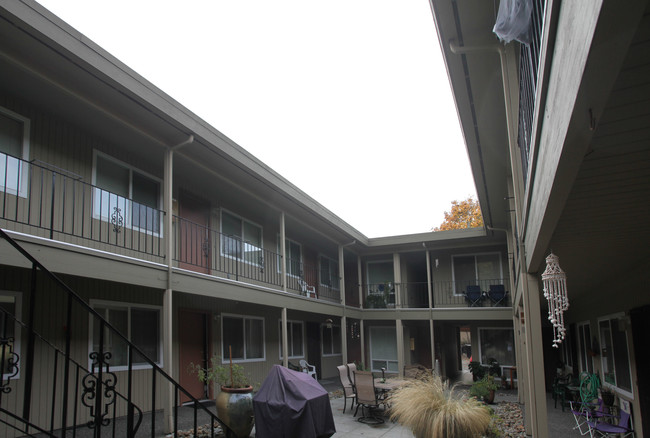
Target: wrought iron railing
{"x":306,"y":279}
{"x":57,"y":394}
{"x":201,"y":248}
{"x":415,"y":295}
{"x":61,"y":205}
{"x":528,"y":74}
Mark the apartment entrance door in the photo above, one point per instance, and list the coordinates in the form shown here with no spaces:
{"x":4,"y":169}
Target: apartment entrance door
{"x":194,"y":234}
{"x":313,"y":346}
{"x":193,"y":348}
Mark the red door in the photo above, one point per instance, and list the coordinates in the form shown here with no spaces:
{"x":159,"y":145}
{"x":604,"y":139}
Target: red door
{"x":194,"y":235}
{"x":193,"y":340}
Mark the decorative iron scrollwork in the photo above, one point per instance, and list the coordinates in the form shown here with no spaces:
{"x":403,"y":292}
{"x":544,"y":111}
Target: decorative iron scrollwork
{"x":95,"y":389}
{"x":8,"y":363}
{"x":117,"y":220}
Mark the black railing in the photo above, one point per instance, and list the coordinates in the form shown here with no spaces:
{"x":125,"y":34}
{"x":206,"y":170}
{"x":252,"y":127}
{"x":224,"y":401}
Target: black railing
{"x":415,"y":295}
{"x":56,"y":394}
{"x":528,"y":74}
{"x":310,"y":281}
{"x":198,"y":247}
{"x":59,"y":204}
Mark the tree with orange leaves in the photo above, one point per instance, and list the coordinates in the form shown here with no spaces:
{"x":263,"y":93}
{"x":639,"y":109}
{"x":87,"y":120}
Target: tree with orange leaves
{"x":463,"y":214}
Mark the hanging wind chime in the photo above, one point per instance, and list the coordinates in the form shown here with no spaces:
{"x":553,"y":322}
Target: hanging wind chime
{"x":554,"y":280}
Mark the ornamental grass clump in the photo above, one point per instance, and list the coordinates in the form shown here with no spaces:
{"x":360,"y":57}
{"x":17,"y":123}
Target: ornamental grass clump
{"x":431,"y":409}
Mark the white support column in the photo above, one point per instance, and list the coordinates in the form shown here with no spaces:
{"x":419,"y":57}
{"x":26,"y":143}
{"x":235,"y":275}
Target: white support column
{"x":344,"y":319}
{"x":362,"y":333}
{"x":285,"y":339}
{"x":429,"y":279}
{"x":283,"y":252}
{"x":167,"y":310}
{"x":399,"y":328}
{"x":397,"y":276}
{"x":359,"y":273}
{"x":536,"y":400}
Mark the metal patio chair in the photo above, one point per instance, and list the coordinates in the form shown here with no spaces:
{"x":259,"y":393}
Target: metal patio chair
{"x":598,"y":429}
{"x":497,"y":294}
{"x":474,"y":295}
{"x":348,"y":388}
{"x":367,"y":398}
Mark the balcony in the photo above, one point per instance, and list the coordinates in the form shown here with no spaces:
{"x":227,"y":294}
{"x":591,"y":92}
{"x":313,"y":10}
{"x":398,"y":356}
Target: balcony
{"x":48,"y":202}
{"x":450,"y":294}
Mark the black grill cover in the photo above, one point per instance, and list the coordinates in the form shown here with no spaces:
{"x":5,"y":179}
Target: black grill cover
{"x":292,"y":404}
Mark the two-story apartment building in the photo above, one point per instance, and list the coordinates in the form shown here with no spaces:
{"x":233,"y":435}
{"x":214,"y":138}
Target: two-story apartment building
{"x":147,"y":241}
{"x":557,"y":127}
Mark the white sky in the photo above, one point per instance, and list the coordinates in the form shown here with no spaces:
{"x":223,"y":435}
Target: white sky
{"x":347,"y":99}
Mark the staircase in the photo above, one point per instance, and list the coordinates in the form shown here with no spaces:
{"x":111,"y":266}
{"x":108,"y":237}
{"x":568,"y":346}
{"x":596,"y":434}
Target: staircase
{"x":51,"y":386}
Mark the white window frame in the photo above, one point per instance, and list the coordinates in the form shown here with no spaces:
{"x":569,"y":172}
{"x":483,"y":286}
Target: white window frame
{"x":243,"y":319}
{"x":320,"y":273}
{"x":373,"y":358}
{"x":21,"y":190}
{"x":289,"y":340}
{"x":322,"y":340}
{"x":127,"y":203}
{"x":18,"y":301}
{"x":287,"y":240}
{"x":620,"y":316}
{"x":243,"y":241}
{"x":129,"y":306}
{"x":480,"y":346}
{"x":583,"y":349}
{"x":475,"y":254}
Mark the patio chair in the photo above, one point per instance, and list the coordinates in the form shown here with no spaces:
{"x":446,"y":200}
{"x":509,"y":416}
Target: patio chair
{"x":306,"y":289}
{"x":348,"y":389}
{"x":473,"y":295}
{"x":584,"y":412}
{"x":497,"y":294}
{"x":560,"y":389}
{"x":600,"y":429}
{"x":367,"y":398}
{"x":352,"y":368}
{"x":307,"y":368}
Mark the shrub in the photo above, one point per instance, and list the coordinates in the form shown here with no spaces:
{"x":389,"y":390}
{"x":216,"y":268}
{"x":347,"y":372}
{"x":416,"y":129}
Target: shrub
{"x":431,"y":409}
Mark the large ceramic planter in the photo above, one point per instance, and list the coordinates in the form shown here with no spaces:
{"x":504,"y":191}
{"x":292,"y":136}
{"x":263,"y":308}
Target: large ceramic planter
{"x":235,"y":409}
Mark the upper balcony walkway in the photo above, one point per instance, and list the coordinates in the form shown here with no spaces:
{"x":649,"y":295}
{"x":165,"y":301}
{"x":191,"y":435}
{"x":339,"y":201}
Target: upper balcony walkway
{"x":50,"y":203}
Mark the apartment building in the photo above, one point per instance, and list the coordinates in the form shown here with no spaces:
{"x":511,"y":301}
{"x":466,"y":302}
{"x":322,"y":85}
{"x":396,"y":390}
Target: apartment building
{"x":557,"y":129}
{"x":140,"y":240}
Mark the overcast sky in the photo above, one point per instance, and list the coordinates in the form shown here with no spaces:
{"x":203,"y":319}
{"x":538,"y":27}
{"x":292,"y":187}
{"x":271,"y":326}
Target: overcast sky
{"x":347,"y":99}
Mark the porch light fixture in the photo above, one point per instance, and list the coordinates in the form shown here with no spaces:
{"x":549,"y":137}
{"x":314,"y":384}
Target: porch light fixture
{"x":554,"y":280}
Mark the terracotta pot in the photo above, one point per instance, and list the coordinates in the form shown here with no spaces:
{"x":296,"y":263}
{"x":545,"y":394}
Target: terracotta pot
{"x":235,"y":409}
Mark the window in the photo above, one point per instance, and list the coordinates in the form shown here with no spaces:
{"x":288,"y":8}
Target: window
{"x":331,"y":339}
{"x":329,"y":273}
{"x":294,"y":258}
{"x":584,"y":347}
{"x":126,"y":196}
{"x":140,"y":324}
{"x":383,"y":349}
{"x":614,"y":355}
{"x":295,"y":339}
{"x":380,"y":277}
{"x":244,"y":336}
{"x":10,"y":330}
{"x":476,"y":269}
{"x":241,"y":239}
{"x":497,"y":343}
{"x":14,"y":146}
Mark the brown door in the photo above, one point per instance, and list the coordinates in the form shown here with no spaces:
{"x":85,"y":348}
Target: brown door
{"x":193,"y":346}
{"x":194,"y":235}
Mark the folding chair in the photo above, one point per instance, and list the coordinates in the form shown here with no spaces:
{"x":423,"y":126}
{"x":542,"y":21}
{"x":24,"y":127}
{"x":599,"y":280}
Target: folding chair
{"x":582,"y":412}
{"x":599,"y":429}
{"x":473,"y":295}
{"x":497,"y":294}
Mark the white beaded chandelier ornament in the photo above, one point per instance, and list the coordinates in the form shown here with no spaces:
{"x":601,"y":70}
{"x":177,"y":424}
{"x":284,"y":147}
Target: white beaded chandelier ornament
{"x":554,"y":280}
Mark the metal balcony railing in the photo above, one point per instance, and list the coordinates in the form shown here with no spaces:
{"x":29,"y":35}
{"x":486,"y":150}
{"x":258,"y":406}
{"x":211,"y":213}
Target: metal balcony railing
{"x":61,"y":379}
{"x":415,"y":295}
{"x":529,"y":59}
{"x":56,"y":204}
{"x":307,"y":279}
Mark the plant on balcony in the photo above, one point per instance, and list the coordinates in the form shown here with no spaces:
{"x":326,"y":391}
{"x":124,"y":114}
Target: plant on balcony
{"x":477,"y":370}
{"x":375,"y":301}
{"x":430,"y":408}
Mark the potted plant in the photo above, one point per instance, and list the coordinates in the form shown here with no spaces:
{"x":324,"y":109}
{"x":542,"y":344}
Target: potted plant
{"x":608,"y":396}
{"x":484,"y":389}
{"x":234,"y":402}
{"x":430,"y":408}
{"x":477,"y":370}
